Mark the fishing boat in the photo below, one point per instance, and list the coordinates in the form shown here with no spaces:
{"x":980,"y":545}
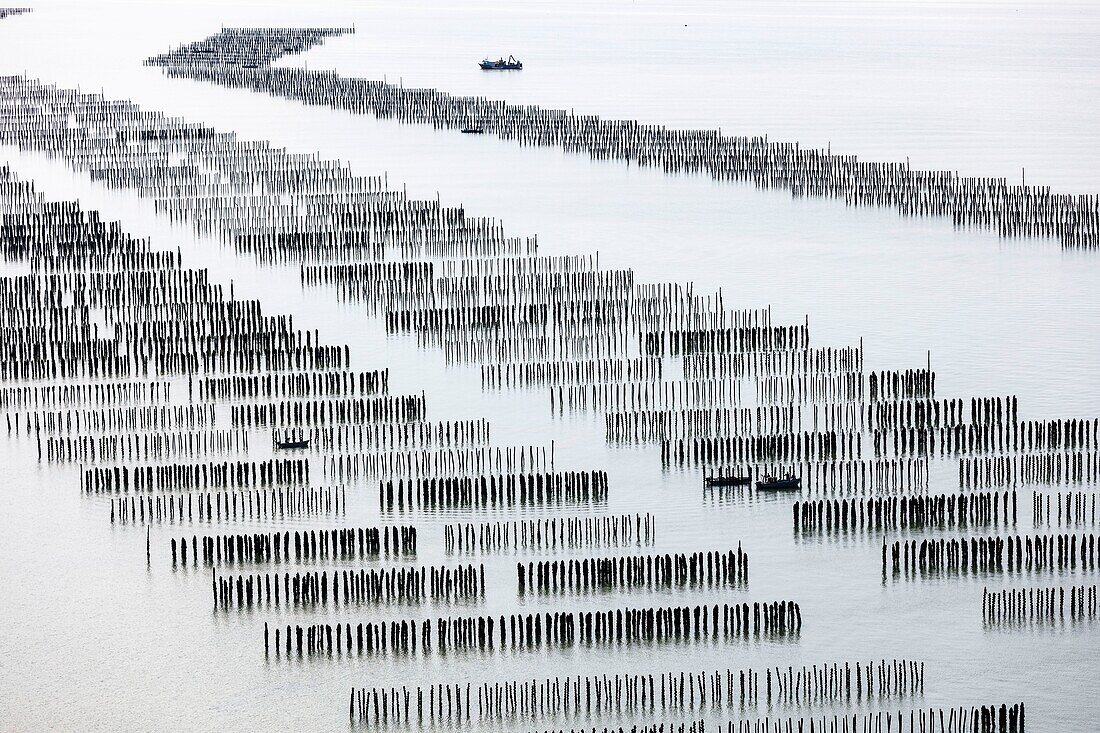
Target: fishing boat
{"x":774,"y":483}
{"x":712,"y":481}
{"x":512,"y":64}
{"x":290,"y":444}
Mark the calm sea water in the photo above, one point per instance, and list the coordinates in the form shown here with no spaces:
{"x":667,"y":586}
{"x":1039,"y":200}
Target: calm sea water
{"x":91,"y":638}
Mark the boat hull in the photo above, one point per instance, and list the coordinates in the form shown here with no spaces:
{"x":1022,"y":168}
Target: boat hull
{"x":727,"y":481}
{"x":793,"y":484}
{"x":291,"y":444}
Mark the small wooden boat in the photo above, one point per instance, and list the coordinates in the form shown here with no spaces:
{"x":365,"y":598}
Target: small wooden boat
{"x":726,"y":480}
{"x":290,"y":444}
{"x":512,"y":64}
{"x":774,"y":483}
{"x":473,"y":130}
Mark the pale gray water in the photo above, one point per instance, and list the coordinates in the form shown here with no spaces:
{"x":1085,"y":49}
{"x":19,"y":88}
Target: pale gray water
{"x":94,"y":640}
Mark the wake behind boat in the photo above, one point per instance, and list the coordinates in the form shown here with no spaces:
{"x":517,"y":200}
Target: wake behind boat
{"x":512,"y":64}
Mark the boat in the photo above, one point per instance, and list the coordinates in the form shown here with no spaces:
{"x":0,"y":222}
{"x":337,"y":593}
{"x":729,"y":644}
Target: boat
{"x":726,"y":480}
{"x":290,"y":444}
{"x":774,"y":483}
{"x":473,"y":130}
{"x":512,"y":64}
